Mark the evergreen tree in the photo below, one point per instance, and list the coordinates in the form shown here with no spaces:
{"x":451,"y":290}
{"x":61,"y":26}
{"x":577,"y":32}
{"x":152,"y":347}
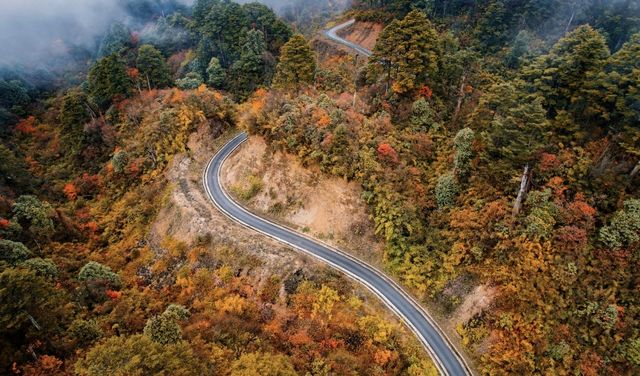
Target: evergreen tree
{"x":493,"y":28}
{"x":276,"y":32}
{"x":565,"y":75}
{"x":13,"y":252}
{"x":297,"y":64}
{"x":34,"y":216}
{"x":407,"y":53}
{"x":73,"y":116}
{"x":115,"y":40}
{"x":224,"y":26}
{"x":32,"y":309}
{"x":619,"y":86}
{"x":216,"y":75}
{"x":108,"y":80}
{"x":42,"y":267}
{"x":513,"y":125}
{"x":250,"y":70}
{"x":96,"y":272}
{"x":153,"y":67}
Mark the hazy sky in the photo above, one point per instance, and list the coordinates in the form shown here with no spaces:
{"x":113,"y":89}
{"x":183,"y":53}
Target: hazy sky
{"x":32,"y":31}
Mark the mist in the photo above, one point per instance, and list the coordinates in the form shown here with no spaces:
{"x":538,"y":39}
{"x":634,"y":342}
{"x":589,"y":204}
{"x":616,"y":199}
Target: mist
{"x":35,"y":31}
{"x":38,"y":34}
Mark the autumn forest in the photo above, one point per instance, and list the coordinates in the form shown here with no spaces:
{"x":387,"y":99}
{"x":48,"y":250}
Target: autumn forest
{"x":495,"y":145}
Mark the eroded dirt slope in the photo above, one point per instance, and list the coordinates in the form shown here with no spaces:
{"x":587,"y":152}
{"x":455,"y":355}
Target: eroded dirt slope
{"x":276,"y":185}
{"x":364,"y":34}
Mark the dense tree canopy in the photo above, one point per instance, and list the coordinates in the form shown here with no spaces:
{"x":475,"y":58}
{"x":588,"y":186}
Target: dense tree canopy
{"x":108,"y":81}
{"x":297,"y":64}
{"x":152,"y":67}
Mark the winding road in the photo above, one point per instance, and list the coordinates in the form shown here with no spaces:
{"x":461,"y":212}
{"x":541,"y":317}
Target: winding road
{"x":445,"y":357}
{"x":333,"y":35}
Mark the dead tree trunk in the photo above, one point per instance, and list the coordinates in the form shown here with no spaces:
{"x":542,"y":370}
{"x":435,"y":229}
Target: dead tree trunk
{"x":460,"y":98}
{"x":635,"y":170}
{"x":522,"y":193}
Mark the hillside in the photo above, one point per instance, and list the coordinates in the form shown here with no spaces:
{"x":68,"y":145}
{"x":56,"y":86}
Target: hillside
{"x":486,"y":157}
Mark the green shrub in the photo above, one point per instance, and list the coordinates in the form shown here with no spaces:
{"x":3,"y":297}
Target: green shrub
{"x":96,"y":272}
{"x":446,"y":190}
{"x":85,"y":332}
{"x":624,"y":229}
{"x":462,"y":143}
{"x":13,"y":252}
{"x":43,"y":267}
{"x":164,"y":328}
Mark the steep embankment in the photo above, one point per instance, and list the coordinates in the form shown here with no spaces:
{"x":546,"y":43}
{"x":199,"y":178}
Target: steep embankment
{"x":276,"y":185}
{"x":364,"y":34}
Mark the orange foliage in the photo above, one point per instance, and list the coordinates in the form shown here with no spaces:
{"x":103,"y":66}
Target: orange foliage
{"x":383,"y":356}
{"x":46,"y":365}
{"x":133,"y":169}
{"x":88,"y":184}
{"x":258,"y":100}
{"x":387,"y":151}
{"x":549,"y":162}
{"x":27,"y":126}
{"x":70,"y":191}
{"x":590,"y":364}
{"x":425,"y":92}
{"x":4,"y":223}
{"x":557,"y":184}
{"x":322,"y":118}
{"x":573,"y":235}
{"x":91,"y":227}
{"x":175,"y":96}
{"x":149,"y":95}
{"x":113,"y":295}
{"x":327,"y":141}
{"x":300,"y":338}
{"x":32,"y":164}
{"x":331,"y":343}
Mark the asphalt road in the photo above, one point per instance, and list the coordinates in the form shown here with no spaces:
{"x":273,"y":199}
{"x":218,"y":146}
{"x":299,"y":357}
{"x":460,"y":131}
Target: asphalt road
{"x":333,"y":35}
{"x":443,"y":353}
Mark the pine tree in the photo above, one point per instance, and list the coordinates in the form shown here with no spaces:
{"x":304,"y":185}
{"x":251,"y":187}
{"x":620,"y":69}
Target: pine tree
{"x":250,"y":70}
{"x":108,"y":80}
{"x":73,"y":116}
{"x":216,"y":75}
{"x":493,"y":28}
{"x":513,"y":125}
{"x":565,"y":75}
{"x":407,"y":53}
{"x":153,"y":68}
{"x":297,"y":64}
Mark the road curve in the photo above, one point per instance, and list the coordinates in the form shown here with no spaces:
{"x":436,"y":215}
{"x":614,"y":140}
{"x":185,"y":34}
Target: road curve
{"x":443,"y":353}
{"x":333,"y":35}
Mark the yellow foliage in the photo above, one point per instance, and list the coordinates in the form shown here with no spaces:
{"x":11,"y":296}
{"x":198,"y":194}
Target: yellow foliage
{"x":377,"y":329}
{"x":232,"y":304}
{"x":326,"y":299}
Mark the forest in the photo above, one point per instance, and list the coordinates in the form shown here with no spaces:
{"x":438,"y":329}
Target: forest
{"x":496,"y":143}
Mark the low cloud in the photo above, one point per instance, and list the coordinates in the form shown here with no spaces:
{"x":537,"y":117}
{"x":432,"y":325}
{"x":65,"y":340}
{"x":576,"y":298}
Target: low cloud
{"x":35,"y":31}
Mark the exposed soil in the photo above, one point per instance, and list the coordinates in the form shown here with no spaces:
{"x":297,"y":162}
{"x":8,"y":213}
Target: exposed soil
{"x":329,"y":209}
{"x":474,"y":303}
{"x":364,"y":34}
{"x":189,"y":216}
{"x":325,"y":207}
